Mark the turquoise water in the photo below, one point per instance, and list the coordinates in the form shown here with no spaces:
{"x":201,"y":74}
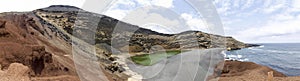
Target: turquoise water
{"x":283,"y":57}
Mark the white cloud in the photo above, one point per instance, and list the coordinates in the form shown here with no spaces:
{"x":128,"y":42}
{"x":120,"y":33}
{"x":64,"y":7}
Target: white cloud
{"x":116,"y":12}
{"x":236,"y":3}
{"x":195,"y":23}
{"x":296,"y":4}
{"x":233,"y":7}
{"x":295,"y":7}
{"x":271,"y":29}
{"x":248,"y":7}
{"x":267,"y":3}
{"x":275,"y":5}
{"x":144,"y":2}
{"x":282,"y":17}
{"x":248,"y":4}
{"x":228,"y":21}
{"x":223,"y":7}
{"x":163,"y":3}
{"x":273,"y":8}
{"x":156,"y":20}
{"x":29,"y":5}
{"x":260,"y":19}
{"x":125,"y":2}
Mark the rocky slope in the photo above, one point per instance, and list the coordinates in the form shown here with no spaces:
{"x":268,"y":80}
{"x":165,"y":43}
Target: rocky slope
{"x":24,"y":39}
{"x":41,"y":41}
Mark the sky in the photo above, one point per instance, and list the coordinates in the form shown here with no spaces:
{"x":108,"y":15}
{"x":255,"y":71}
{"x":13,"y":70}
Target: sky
{"x":252,"y":21}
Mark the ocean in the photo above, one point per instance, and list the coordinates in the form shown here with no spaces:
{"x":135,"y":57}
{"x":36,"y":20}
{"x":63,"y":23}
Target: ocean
{"x":282,"y":57}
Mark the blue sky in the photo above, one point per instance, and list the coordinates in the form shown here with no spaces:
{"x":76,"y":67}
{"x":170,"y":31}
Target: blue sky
{"x":253,"y":21}
{"x":261,"y":20}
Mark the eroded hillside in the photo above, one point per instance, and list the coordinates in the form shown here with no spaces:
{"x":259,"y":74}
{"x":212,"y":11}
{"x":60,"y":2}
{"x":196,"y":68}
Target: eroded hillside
{"x":25,"y":40}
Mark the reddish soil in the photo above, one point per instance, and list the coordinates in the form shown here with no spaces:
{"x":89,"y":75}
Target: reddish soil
{"x":247,"y":71}
{"x":238,"y":68}
{"x":24,"y":40}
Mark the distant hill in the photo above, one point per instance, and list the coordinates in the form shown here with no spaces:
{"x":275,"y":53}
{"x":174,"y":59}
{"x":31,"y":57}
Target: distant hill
{"x":127,"y":37}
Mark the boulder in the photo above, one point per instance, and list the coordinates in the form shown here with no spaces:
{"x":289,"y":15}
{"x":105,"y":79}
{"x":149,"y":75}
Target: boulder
{"x":15,"y":72}
{"x":2,"y":24}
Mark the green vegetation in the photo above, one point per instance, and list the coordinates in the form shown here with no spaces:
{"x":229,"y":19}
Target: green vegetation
{"x":150,"y":59}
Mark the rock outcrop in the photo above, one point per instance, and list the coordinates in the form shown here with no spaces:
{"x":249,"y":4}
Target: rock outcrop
{"x":27,"y":41}
{"x":34,"y":57}
{"x":15,"y":72}
{"x":238,"y":68}
{"x":2,"y":24}
{"x":247,"y":71}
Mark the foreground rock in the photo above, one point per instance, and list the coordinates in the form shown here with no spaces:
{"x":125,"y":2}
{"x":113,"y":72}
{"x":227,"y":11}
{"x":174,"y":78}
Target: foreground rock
{"x":15,"y":72}
{"x":248,"y":71}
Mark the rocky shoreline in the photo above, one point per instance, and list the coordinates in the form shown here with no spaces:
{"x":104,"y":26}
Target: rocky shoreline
{"x":248,"y":71}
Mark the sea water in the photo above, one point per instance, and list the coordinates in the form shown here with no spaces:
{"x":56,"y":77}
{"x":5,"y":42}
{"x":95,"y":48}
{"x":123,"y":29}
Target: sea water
{"x":282,"y":57}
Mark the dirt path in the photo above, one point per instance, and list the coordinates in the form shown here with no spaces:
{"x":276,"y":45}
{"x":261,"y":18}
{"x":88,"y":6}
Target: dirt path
{"x":60,"y":78}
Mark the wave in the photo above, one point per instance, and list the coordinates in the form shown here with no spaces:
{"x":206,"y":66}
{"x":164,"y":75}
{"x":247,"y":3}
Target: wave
{"x":283,"y":52}
{"x":275,"y":51}
{"x":256,"y":47}
{"x":236,"y":57}
{"x":261,"y":46}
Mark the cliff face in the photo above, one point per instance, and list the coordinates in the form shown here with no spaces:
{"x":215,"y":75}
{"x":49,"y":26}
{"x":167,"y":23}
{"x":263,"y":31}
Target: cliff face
{"x":26,"y":40}
{"x":126,"y":37}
